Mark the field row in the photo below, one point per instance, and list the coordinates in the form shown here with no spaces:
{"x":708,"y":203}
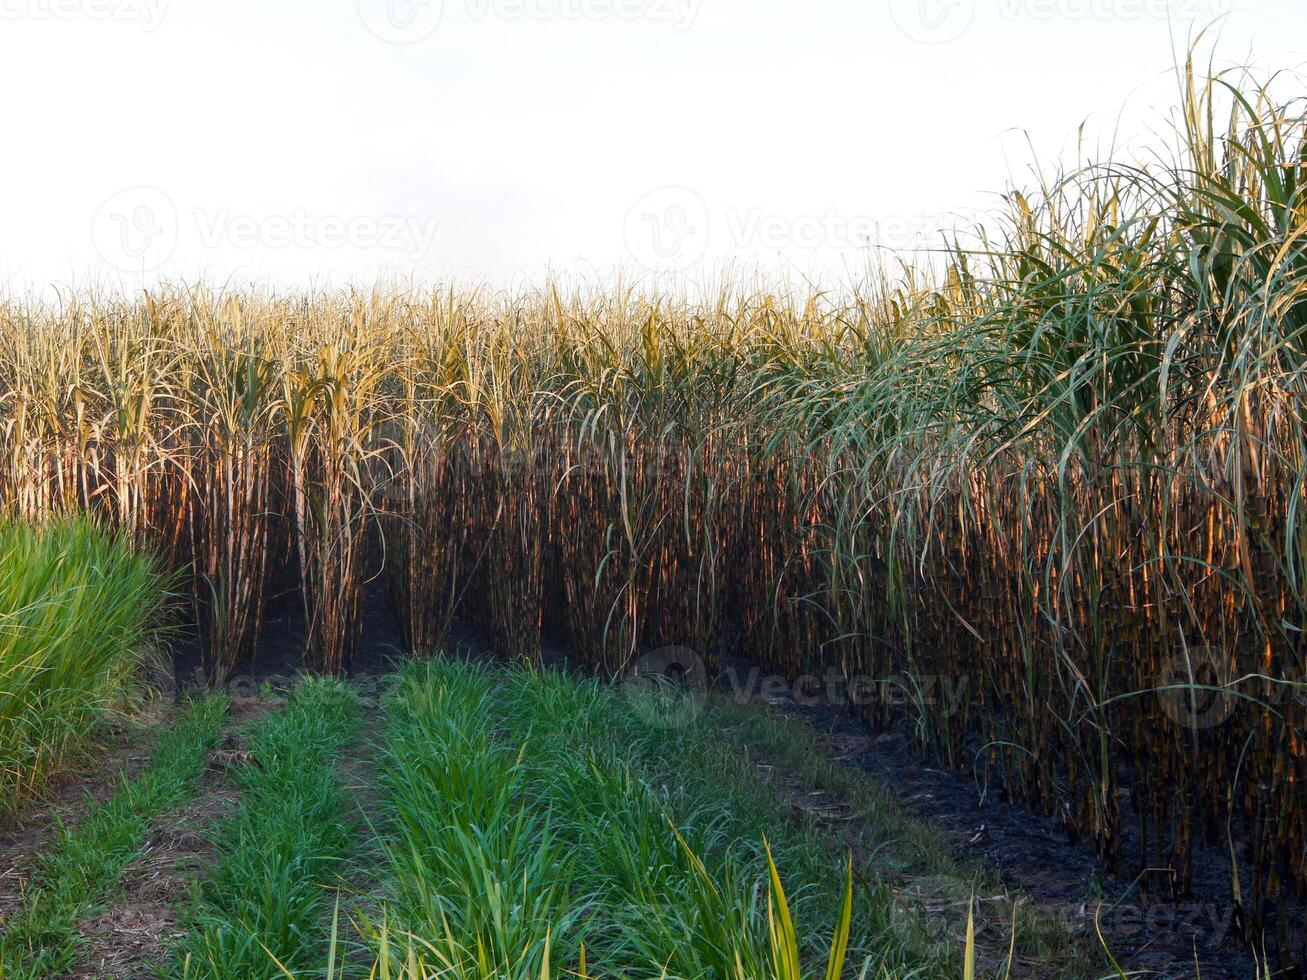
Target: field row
{"x":1060,"y":474}
{"x":491,"y":823}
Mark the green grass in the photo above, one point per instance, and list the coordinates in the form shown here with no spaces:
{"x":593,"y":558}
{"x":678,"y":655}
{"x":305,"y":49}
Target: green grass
{"x":907,"y":849}
{"x":534,"y":817}
{"x":263,"y":901}
{"x":77,"y":607}
{"x":477,"y":875}
{"x":530,"y":825}
{"x":83,"y":869}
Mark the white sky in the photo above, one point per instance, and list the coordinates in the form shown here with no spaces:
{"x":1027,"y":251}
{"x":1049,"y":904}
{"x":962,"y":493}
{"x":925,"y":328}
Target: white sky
{"x":295,"y":143}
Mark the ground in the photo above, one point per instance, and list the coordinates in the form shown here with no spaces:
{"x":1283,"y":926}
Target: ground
{"x":943,"y":844}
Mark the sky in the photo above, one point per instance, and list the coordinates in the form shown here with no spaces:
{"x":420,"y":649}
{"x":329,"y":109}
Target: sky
{"x":316,"y":143}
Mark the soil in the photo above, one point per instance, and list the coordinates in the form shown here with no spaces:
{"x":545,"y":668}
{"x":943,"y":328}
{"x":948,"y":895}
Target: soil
{"x":124,"y":752}
{"x":279,"y":655}
{"x":947,"y":900}
{"x":129,"y":939}
{"x":356,"y":888}
{"x":1034,"y":855}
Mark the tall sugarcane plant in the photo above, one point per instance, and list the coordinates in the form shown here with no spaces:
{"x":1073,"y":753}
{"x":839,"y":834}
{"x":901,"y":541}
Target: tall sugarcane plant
{"x":1043,"y":497}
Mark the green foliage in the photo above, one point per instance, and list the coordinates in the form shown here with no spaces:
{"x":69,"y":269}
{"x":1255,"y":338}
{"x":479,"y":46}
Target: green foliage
{"x":84,"y":867}
{"x":539,"y":829}
{"x":77,"y":609}
{"x":263,"y":900}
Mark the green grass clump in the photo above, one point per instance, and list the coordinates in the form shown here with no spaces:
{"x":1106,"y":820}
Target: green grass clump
{"x":538,"y":829}
{"x":83,"y":869}
{"x":477,"y":875}
{"x":77,"y":607}
{"x":262,"y":902}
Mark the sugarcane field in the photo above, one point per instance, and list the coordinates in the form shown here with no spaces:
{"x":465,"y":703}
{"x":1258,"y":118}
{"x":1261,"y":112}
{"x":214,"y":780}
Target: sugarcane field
{"x":428,"y":552}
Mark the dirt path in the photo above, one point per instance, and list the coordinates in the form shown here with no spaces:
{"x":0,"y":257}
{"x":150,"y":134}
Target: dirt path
{"x":124,"y":753}
{"x":1029,"y":854}
{"x":857,"y":816}
{"x":130,"y":940}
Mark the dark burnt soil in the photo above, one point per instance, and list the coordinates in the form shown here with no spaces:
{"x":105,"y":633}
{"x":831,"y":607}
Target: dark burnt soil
{"x":944,"y":897}
{"x":279,"y":654}
{"x":1034,"y":855}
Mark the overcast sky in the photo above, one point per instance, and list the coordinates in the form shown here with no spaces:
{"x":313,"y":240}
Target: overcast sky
{"x":298,"y":142}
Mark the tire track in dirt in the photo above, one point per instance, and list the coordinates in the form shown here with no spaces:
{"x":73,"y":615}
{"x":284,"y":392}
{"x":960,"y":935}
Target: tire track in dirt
{"x":132,"y":938}
{"x":124,"y":752}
